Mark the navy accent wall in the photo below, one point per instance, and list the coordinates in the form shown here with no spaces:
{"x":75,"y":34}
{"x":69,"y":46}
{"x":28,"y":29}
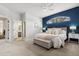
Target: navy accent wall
{"x":72,"y":13}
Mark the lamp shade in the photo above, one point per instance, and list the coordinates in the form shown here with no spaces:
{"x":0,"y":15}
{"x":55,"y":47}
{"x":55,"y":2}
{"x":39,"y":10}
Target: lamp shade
{"x":72,"y":27}
{"x":44,"y":28}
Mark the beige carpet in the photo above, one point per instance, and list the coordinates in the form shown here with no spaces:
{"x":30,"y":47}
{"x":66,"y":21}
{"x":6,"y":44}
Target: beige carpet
{"x":22,"y":48}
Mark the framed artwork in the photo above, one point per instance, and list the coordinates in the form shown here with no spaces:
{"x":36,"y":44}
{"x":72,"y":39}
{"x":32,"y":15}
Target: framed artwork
{"x":58,"y":19}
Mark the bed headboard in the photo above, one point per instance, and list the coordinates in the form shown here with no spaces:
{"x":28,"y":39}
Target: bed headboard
{"x":57,"y":30}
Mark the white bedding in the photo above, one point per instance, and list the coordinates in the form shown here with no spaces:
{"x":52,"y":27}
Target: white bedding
{"x":44,"y":36}
{"x":57,"y":40}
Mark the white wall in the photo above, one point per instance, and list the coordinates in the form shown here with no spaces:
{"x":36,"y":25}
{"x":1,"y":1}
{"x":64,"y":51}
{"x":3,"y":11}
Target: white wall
{"x":12,"y":17}
{"x":33,"y":26}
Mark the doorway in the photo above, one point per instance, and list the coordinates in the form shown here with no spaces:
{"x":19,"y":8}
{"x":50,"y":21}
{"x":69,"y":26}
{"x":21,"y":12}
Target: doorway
{"x":18,"y":30}
{"x":4,"y":28}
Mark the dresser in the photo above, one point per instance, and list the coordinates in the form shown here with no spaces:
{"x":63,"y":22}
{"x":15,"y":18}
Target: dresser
{"x":73,"y":36}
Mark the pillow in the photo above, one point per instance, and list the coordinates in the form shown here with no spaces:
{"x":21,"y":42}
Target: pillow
{"x":49,"y":31}
{"x":62,"y":32}
{"x":56,"y":31}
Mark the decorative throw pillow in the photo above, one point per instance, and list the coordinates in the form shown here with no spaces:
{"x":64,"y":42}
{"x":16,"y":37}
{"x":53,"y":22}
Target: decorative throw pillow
{"x":49,"y":31}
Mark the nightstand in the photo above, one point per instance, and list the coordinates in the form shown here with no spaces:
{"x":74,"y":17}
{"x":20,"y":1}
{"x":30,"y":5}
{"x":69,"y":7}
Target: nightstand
{"x":74,"y":36}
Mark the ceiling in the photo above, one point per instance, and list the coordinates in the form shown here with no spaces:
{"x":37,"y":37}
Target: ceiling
{"x":39,"y":9}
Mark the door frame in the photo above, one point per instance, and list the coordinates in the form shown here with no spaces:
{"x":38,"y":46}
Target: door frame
{"x":6,"y":20}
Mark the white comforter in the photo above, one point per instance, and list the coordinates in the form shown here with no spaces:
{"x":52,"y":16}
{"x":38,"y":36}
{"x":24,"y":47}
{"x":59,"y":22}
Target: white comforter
{"x":57,"y":40}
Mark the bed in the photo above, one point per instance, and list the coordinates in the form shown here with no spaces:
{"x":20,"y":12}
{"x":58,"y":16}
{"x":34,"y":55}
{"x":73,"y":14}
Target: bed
{"x":53,"y":37}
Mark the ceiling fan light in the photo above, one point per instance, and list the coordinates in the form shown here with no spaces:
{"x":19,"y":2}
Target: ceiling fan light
{"x":45,"y":10}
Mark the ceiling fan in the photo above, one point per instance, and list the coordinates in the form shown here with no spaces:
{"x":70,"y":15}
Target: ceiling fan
{"x":47,"y":6}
